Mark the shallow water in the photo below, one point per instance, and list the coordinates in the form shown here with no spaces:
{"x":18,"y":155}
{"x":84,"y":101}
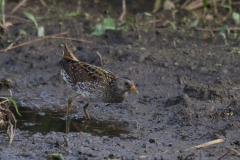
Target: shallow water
{"x":46,"y":121}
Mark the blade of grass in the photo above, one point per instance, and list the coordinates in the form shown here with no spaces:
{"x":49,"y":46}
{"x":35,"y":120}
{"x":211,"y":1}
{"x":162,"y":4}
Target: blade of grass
{"x":10,"y":93}
{"x":157,"y":5}
{"x":3,"y":98}
{"x":230,"y":2}
{"x":31,"y":17}
{"x":11,"y":100}
{"x":194,"y":13}
{"x":215,"y":7}
{"x":15,"y":105}
{"x":131,"y":20}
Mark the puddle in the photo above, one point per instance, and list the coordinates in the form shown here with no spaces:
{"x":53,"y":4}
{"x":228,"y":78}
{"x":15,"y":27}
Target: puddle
{"x":46,"y":121}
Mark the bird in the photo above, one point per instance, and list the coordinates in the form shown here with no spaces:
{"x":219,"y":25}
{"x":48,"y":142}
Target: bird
{"x":93,"y":82}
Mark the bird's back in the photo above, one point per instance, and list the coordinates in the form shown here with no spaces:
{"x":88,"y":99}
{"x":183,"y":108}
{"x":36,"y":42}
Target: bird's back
{"x":88,"y":80}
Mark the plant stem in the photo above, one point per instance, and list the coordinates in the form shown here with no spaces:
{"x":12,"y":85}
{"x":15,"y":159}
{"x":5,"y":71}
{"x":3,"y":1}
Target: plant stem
{"x":2,"y":9}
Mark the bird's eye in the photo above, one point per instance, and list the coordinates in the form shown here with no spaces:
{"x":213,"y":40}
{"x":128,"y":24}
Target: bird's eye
{"x":126,"y":83}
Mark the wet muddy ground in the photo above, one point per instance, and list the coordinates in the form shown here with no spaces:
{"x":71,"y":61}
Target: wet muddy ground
{"x":189,"y":91}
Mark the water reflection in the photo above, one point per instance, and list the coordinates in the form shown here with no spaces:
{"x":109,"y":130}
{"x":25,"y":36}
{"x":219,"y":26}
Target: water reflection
{"x":47,"y":121}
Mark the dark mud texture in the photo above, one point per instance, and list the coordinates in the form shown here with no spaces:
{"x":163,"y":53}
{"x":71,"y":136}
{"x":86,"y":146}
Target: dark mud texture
{"x":189,"y":90}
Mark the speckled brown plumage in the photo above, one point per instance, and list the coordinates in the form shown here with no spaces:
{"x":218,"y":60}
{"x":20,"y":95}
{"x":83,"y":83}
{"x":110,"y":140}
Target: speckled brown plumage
{"x":92,"y":82}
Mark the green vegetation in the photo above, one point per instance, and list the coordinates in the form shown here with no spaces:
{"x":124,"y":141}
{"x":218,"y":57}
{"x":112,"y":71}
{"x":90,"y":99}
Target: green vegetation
{"x":10,"y":41}
{"x":40,"y":29}
{"x":55,"y":156}
{"x":101,"y":28}
{"x":12,"y":101}
{"x":2,"y":3}
{"x":207,"y":16}
{"x":236,"y":17}
{"x":223,"y":34}
{"x":22,"y":33}
{"x":131,"y":20}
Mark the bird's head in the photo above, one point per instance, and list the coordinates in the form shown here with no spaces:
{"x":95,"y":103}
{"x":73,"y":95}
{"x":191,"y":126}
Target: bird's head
{"x":125,"y":84}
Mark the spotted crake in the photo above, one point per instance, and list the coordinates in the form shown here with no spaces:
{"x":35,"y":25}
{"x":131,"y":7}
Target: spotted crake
{"x":92,"y":82}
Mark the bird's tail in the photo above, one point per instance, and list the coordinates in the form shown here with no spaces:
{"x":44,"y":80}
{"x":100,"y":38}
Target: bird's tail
{"x":68,"y":55}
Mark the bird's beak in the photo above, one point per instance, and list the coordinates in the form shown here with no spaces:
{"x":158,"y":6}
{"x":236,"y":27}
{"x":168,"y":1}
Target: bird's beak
{"x":133,"y":89}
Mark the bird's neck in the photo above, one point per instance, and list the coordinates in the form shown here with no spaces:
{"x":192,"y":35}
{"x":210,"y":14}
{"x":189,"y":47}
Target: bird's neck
{"x":119,"y":96}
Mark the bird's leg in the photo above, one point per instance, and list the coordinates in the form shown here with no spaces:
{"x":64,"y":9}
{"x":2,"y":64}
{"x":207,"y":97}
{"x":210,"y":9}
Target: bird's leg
{"x":69,"y":105}
{"x":85,"y":110}
{"x":68,"y":125}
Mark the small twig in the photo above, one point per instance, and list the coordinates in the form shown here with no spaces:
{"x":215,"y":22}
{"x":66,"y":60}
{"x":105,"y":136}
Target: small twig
{"x":132,"y":26}
{"x":217,"y":29}
{"x":166,"y":22}
{"x":19,"y":5}
{"x":211,"y":110}
{"x":73,"y":39}
{"x":206,"y":144}
{"x":154,"y":21}
{"x":3,"y":15}
{"x":229,"y":14}
{"x":196,"y":4}
{"x":3,"y":101}
{"x":15,"y":17}
{"x":229,"y":150}
{"x":224,"y":155}
{"x":173,"y":15}
{"x":12,"y":132}
{"x":234,"y":29}
{"x":3,"y":26}
{"x":32,"y":41}
{"x":12,"y":44}
{"x":184,"y":4}
{"x":124,"y":10}
{"x":100,"y":57}
{"x":78,"y":7}
{"x":215,"y":7}
{"x":43,"y":3}
{"x":154,"y":29}
{"x":223,"y":1}
{"x":234,"y":150}
{"x":204,"y":12}
{"x":60,"y":26}
{"x":235,"y":3}
{"x":206,"y":29}
{"x":175,"y":1}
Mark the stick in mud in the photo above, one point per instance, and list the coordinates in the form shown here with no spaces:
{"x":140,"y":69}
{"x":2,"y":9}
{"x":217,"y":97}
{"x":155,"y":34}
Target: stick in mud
{"x":206,"y":144}
{"x":46,"y":37}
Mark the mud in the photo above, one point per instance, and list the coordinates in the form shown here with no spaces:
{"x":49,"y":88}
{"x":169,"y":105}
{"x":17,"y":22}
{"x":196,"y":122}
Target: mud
{"x":189,"y":89}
